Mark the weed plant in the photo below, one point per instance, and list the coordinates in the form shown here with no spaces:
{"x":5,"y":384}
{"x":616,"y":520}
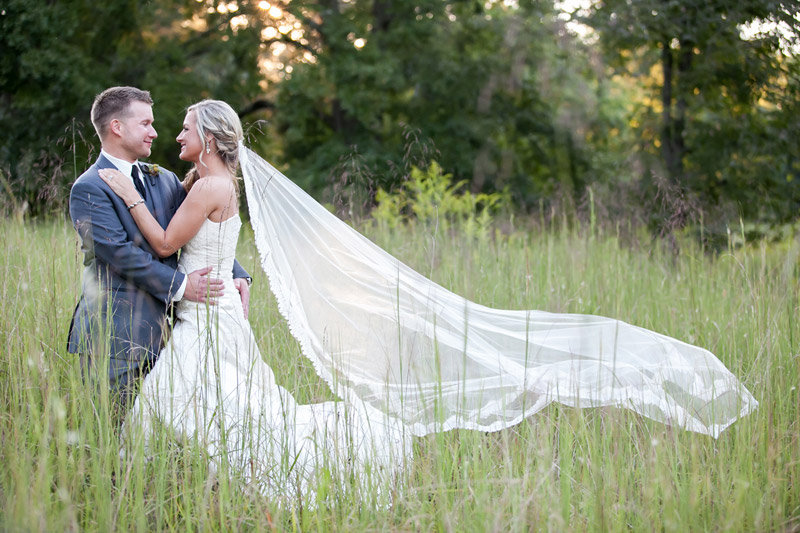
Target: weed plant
{"x":561,"y":469}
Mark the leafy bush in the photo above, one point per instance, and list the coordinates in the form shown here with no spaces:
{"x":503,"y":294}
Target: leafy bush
{"x":431,"y":198}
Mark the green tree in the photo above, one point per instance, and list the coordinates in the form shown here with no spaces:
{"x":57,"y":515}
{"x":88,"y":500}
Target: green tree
{"x":483,"y":87}
{"x":719,"y":105}
{"x":56,"y":56}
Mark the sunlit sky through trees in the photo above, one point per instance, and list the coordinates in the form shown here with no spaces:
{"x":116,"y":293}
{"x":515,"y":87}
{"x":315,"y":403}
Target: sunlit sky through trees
{"x":749,"y":31}
{"x":285,"y":40}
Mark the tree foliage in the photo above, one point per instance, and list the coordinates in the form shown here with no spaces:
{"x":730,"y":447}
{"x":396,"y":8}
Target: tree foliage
{"x":491,"y":87}
{"x":56,"y":56}
{"x":359,"y":92}
{"x":717,"y":120}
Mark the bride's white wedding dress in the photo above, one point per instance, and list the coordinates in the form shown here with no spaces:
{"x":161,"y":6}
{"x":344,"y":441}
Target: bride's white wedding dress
{"x":405,"y":355}
{"x":211,"y":384}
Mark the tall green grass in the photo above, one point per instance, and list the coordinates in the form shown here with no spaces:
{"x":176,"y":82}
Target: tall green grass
{"x":562,"y":469}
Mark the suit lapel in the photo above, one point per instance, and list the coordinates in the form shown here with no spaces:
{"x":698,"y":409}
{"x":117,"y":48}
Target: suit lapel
{"x":155,"y":196}
{"x":102,"y":163}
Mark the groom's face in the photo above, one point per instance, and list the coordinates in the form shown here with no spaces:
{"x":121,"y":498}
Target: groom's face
{"x":136,"y":130}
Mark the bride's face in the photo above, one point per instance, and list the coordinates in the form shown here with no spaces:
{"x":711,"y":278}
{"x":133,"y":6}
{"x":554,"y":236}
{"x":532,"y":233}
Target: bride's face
{"x":191,"y":145}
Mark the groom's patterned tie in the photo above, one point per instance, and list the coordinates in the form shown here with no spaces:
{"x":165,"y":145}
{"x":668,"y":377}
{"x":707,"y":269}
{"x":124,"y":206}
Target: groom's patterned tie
{"x":139,"y":183}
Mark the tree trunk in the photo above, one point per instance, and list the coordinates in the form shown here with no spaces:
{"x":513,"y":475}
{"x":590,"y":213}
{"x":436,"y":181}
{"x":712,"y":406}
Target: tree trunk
{"x":381,"y":16}
{"x":684,"y":66}
{"x":667,"y":125}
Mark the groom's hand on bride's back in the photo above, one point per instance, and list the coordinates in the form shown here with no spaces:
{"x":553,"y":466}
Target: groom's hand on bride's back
{"x":201,"y":288}
{"x":243,"y":287}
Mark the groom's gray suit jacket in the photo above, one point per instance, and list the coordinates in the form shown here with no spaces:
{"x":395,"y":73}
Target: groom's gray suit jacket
{"x":126,"y":287}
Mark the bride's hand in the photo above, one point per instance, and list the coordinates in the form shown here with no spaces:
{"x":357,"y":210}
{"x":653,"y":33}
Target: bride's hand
{"x":121,"y":184}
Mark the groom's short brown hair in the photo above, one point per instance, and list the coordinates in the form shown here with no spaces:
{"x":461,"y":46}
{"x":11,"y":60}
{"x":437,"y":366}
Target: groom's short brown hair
{"x":113,"y":103}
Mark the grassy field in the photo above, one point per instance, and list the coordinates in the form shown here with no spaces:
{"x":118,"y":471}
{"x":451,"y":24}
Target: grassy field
{"x":562,"y":469}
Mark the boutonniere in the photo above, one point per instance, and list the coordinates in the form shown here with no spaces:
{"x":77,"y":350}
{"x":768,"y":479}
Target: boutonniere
{"x":151,"y":169}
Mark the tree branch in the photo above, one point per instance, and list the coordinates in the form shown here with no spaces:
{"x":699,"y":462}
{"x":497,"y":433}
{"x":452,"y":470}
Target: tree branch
{"x":256,"y":105}
{"x":288,"y":40}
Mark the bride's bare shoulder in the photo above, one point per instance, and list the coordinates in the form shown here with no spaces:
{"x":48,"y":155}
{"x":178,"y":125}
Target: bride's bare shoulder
{"x":213,"y":185}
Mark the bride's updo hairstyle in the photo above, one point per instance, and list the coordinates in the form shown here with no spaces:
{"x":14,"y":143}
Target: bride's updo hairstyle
{"x":218,"y":119}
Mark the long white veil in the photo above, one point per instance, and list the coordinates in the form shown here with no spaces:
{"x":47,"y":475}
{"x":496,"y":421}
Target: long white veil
{"x":377,"y":330}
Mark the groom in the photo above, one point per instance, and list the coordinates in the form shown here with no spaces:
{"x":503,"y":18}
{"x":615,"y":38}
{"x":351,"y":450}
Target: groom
{"x":126,"y":287}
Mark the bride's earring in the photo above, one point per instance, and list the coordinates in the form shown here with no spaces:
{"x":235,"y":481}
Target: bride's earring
{"x":208,"y":149}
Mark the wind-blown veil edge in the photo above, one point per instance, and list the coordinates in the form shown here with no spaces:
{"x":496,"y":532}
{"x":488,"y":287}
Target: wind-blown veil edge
{"x":379,"y":332}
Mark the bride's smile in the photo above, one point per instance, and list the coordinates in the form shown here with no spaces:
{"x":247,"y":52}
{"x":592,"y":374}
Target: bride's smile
{"x":189,"y":139}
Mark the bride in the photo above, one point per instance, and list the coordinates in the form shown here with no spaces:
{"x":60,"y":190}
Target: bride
{"x":404,"y":355}
{"x":210,"y":382}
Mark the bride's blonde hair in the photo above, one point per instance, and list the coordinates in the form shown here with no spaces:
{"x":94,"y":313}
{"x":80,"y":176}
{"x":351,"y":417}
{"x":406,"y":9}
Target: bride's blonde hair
{"x":218,"y":119}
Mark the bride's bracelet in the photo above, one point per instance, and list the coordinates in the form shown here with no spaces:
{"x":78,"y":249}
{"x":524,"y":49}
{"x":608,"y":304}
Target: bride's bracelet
{"x":134,"y":204}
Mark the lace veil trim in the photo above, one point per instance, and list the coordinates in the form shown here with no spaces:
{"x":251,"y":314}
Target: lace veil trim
{"x":378,"y":332}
